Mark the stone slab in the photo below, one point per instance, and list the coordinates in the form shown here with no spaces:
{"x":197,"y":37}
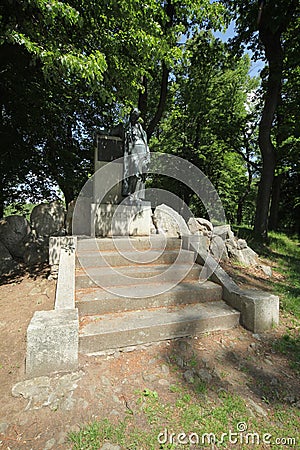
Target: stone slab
{"x":65,"y":287}
{"x":52,"y":342}
{"x":100,"y":301}
{"x":125,"y":258}
{"x":56,"y":243}
{"x":104,"y":191}
{"x":121,"y":220}
{"x":140,"y":327}
{"x":107,"y":276}
{"x":195,"y":241}
{"x":259,"y":310}
{"x":129,"y":243}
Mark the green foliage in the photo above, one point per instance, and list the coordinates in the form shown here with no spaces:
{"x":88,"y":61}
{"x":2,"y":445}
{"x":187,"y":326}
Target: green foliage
{"x":69,"y":68}
{"x":23,"y":209}
{"x":208,"y":119}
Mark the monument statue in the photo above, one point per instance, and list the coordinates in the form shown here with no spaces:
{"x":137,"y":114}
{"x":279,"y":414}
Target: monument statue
{"x":136,"y":158}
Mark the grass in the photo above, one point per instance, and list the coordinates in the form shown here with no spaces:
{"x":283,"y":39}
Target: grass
{"x":202,"y":411}
{"x":185,"y":420}
{"x":284,"y":252}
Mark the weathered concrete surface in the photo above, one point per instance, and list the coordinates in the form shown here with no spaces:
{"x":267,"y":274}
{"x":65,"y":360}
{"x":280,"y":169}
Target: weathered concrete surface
{"x":52,"y":342}
{"x":114,"y":258}
{"x":195,"y":241}
{"x":56,"y":243}
{"x":139,"y":327}
{"x":99,"y":301}
{"x":65,"y":288}
{"x":129,"y":243}
{"x":259,"y":310}
{"x":121,"y":220}
{"x":125,"y":276}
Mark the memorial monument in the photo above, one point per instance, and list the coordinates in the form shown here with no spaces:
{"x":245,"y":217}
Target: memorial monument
{"x":122,"y":160}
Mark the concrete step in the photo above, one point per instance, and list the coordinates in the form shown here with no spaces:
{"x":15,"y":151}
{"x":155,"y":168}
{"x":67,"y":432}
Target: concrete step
{"x":135,"y":297}
{"x":130,"y":275}
{"x":126,"y":258}
{"x":130,"y":243}
{"x":111,"y":331}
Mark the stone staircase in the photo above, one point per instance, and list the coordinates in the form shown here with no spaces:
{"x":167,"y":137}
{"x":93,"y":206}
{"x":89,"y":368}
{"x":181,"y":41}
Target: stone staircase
{"x":132,"y":291}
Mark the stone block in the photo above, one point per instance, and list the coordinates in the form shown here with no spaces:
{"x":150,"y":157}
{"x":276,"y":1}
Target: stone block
{"x":52,"y":342}
{"x":13,"y":232}
{"x":169,"y":221}
{"x":224,"y":231}
{"x":200,"y":226}
{"x":218,"y":248}
{"x":80,"y":217}
{"x":104,"y":190}
{"x":65,"y":288}
{"x":259,"y":310}
{"x":56,"y":243}
{"x":121,"y":220}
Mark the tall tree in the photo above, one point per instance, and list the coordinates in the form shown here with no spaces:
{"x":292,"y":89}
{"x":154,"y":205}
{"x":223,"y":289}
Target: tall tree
{"x":207,"y":121}
{"x":84,"y":61}
{"x":262,"y":26}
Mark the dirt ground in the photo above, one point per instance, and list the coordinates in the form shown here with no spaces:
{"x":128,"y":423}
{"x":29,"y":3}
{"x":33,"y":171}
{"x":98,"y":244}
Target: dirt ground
{"x":106,"y":385}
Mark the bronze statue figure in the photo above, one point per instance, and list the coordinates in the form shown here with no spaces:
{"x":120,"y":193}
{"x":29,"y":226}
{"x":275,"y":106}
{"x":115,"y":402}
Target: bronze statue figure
{"x":136,"y":158}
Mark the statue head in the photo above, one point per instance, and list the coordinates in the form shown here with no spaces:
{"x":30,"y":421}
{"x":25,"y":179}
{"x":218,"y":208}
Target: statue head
{"x":135,"y":115}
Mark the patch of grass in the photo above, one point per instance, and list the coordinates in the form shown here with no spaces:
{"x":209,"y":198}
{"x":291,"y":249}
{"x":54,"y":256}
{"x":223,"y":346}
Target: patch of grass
{"x":289,"y":343}
{"x":159,"y":425}
{"x":284,"y":251}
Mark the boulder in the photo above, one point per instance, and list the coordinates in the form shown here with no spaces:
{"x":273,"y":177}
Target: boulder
{"x":48,"y":219}
{"x":169,"y":221}
{"x":241,"y":244}
{"x":36,"y":250}
{"x":218,"y":248}
{"x":7,"y":263}
{"x":245,"y":256}
{"x":224,"y":231}
{"x":13,"y":232}
{"x":267,"y":270}
{"x":200,"y":226}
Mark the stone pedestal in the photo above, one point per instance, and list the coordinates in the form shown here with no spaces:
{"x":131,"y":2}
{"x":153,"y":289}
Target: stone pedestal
{"x":111,"y":213}
{"x":121,"y":220}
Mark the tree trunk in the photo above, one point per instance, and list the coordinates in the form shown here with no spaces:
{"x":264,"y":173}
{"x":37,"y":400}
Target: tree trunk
{"x":170,"y":11}
{"x":68,"y":194}
{"x":274,"y":210}
{"x":274,"y":54}
{"x":143,"y":98}
{"x":162,"y":101}
{"x":1,"y":201}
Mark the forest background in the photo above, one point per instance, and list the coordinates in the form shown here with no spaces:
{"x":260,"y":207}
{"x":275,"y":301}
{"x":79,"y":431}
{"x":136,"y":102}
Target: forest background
{"x":69,"y":69}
